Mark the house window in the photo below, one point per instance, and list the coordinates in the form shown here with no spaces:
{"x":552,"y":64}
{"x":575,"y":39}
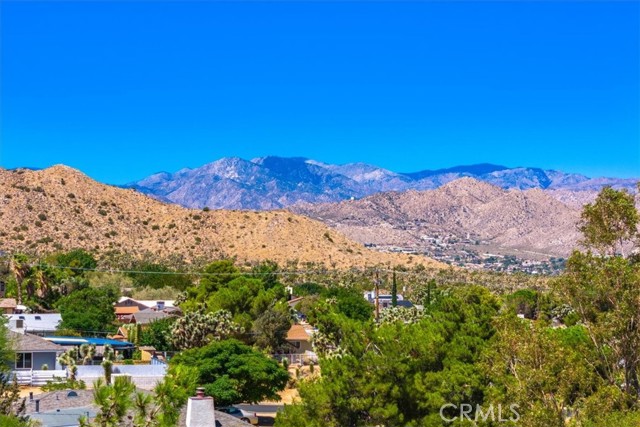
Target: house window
{"x":296,"y":344}
{"x":23,"y":360}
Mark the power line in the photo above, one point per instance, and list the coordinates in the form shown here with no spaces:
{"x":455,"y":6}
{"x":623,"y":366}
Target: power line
{"x":200,"y":273}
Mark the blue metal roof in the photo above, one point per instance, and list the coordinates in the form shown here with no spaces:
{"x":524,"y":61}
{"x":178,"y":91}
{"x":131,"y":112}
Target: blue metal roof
{"x":112,"y":343}
{"x":90,"y":340}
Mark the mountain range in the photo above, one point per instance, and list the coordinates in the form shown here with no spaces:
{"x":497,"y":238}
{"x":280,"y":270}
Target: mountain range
{"x":482,"y":215}
{"x":276,"y":182}
{"x":59,"y":208}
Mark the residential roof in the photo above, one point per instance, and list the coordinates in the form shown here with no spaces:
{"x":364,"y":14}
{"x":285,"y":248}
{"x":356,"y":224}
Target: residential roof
{"x":298,"y":333}
{"x":27,"y":342}
{"x":147,"y":316}
{"x":8,"y":303}
{"x":68,"y":417}
{"x":147,"y":302}
{"x":153,"y":302}
{"x":405,"y":303}
{"x":38,"y":322}
{"x":89,"y":340}
{"x":292,"y":302}
{"x":127,"y":310}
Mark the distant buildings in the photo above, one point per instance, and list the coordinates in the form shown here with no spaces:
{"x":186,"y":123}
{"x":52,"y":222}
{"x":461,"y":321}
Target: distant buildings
{"x":8,"y":305}
{"x":385,"y":300}
{"x":37,"y":324}
{"x":127,"y":307}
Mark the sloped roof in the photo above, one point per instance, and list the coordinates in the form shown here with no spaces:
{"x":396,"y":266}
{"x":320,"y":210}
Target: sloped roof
{"x":8,"y":303}
{"x":149,"y":303}
{"x":27,"y":342}
{"x":127,"y":310}
{"x":147,"y":316}
{"x":298,"y":333}
{"x":39,"y":322}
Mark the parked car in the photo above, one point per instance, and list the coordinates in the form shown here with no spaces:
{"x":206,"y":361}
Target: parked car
{"x":246,"y":416}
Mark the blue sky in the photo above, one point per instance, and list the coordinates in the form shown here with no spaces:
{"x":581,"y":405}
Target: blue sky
{"x":124,"y":89}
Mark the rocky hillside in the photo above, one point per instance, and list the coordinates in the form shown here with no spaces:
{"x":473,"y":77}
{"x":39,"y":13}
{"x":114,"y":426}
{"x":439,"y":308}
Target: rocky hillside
{"x":463,"y":210}
{"x":60,"y":208}
{"x":276,"y":182}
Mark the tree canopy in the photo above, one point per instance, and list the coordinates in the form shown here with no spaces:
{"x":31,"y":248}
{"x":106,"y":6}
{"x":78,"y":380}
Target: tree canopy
{"x":233,"y":372}
{"x":89,"y":309}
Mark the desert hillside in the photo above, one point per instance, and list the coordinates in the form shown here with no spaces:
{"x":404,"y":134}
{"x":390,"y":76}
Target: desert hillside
{"x":61,"y":208}
{"x":465,"y":209}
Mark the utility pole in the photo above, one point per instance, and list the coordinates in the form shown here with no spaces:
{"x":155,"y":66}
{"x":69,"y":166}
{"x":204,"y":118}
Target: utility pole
{"x":377,"y":292}
{"x":394,"y":290}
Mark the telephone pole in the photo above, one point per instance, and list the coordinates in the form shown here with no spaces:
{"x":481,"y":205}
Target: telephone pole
{"x":377,"y":292}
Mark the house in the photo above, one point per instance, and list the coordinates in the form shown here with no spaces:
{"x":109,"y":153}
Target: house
{"x":385,"y":299}
{"x":299,"y":337}
{"x":147,"y":353}
{"x":35,"y":324}
{"x":8,"y":305}
{"x":146,"y":316}
{"x":34,"y":353}
{"x":126,"y":306}
{"x":300,"y":349}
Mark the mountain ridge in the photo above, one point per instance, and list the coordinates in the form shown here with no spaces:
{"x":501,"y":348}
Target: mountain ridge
{"x":462,"y":210}
{"x":274,"y":182}
{"x":61,"y":208}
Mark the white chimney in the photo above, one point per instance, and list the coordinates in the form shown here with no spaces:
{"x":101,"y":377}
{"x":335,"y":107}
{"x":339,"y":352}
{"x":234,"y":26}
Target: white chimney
{"x":200,"y":410}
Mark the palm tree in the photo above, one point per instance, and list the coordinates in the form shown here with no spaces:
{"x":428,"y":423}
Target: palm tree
{"x":19,"y":266}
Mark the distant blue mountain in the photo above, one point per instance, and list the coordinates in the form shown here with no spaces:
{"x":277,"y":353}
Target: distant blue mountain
{"x":474,"y":170}
{"x":277,"y":182}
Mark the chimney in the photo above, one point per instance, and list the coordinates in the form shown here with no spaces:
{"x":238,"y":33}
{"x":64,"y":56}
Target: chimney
{"x":200,"y":410}
{"x":160,"y":305}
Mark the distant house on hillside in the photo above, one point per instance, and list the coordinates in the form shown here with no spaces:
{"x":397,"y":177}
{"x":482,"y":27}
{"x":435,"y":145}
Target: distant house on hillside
{"x":385,"y":299}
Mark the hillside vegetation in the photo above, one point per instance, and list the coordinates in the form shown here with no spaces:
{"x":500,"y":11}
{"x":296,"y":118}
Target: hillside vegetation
{"x":60,"y":208}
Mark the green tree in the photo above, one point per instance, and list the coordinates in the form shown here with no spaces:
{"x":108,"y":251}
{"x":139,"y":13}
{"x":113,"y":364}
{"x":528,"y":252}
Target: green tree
{"x":605,"y":292}
{"x":544,"y":371}
{"x":397,"y":373}
{"x":350,"y":302}
{"x":524,"y":301}
{"x":610,"y":221}
{"x":76,"y":261}
{"x":157,"y":276}
{"x":160,"y":409}
{"x":20,"y":267}
{"x":88,"y":309}
{"x":217,"y":274}
{"x":157,"y":334}
{"x":271,"y":327}
{"x":233,"y":372}
{"x":12,"y":406}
